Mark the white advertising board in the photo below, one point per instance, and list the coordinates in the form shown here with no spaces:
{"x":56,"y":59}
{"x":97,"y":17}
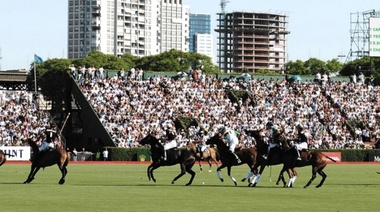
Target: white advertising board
{"x":19,"y":153}
{"x":374,"y":37}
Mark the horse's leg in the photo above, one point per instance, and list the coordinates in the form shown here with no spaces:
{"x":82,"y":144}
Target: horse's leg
{"x":200,"y":165}
{"x":213,"y":158}
{"x":150,"y":169}
{"x":323,"y":175}
{"x":218,"y":172}
{"x":292,"y":177}
{"x":209,"y":163}
{"x":229,"y":174}
{"x":183,"y":171}
{"x":249,"y":174}
{"x":256,"y":179}
{"x":32,"y":173}
{"x":281,"y":177}
{"x":313,"y":176}
{"x":63,"y":172}
{"x":28,"y":179}
{"x":191,"y":172}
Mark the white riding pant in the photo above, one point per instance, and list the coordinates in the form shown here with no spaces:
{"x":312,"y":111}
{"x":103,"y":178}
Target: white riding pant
{"x":301,"y":146}
{"x":45,"y":145}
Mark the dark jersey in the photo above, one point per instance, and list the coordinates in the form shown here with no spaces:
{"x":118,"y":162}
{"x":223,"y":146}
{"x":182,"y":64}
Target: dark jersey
{"x":51,"y":135}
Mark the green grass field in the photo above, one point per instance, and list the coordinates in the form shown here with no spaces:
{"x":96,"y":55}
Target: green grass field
{"x":123,"y":187}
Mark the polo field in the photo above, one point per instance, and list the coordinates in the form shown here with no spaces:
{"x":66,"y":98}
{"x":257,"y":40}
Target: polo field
{"x":121,"y":186}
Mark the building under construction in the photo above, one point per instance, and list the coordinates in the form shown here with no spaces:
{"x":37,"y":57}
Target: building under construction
{"x":249,"y":41}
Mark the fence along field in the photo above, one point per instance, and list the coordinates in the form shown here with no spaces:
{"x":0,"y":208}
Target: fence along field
{"x":125,"y":187}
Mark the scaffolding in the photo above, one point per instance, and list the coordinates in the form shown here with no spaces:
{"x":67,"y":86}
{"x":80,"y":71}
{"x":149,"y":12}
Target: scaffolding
{"x":359,"y":34}
{"x":249,"y":41}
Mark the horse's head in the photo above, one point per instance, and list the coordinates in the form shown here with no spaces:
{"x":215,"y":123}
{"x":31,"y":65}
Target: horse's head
{"x":32,"y":144}
{"x":258,"y":135}
{"x":281,"y":139}
{"x":191,"y":146}
{"x":217,"y":141}
{"x":149,"y":139}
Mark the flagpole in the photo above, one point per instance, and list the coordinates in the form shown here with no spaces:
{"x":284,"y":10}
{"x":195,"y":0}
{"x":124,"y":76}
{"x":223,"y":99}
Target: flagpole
{"x":35,"y":77}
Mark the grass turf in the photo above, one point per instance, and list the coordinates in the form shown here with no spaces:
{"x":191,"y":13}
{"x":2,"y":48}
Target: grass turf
{"x":122,"y":187}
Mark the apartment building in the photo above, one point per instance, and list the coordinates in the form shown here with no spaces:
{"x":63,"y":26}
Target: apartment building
{"x":250,"y":41}
{"x":138,"y":27}
{"x":201,"y":40}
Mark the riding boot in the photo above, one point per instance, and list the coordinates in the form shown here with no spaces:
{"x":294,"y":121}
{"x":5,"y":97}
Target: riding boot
{"x":298,"y":155}
{"x":237,"y":158}
{"x":265,"y":156}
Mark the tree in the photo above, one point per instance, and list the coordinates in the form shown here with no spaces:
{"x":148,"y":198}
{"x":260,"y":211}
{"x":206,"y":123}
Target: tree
{"x":314,"y":65}
{"x":334,"y":65}
{"x":54,"y":75}
{"x":295,"y":68}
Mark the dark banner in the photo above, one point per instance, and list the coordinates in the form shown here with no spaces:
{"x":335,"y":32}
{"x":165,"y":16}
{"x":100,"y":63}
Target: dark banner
{"x":374,"y":157}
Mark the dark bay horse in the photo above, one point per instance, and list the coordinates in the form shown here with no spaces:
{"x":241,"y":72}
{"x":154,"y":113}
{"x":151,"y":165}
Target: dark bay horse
{"x":287,"y":156}
{"x":246,"y":155}
{"x":184,"y":157}
{"x":211,"y":155}
{"x":47,"y":158}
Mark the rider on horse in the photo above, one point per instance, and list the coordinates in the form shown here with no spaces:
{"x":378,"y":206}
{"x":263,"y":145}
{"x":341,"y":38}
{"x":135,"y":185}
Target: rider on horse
{"x":301,"y":141}
{"x":271,"y":138}
{"x":49,"y":137}
{"x":231,"y":139}
{"x":201,"y":142}
{"x":171,"y":142}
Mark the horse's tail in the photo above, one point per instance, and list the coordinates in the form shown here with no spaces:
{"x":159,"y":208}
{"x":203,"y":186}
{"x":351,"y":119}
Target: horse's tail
{"x":9,"y":154}
{"x":330,"y":158}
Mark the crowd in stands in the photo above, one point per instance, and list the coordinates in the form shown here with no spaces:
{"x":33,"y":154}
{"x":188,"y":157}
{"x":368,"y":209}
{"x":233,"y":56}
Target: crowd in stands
{"x":131,"y":106}
{"x":20,"y":118}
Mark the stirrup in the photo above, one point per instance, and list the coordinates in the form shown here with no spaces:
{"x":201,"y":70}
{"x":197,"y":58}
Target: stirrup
{"x":299,"y":158}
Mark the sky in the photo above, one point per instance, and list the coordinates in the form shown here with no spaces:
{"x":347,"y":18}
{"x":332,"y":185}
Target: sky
{"x":318,"y":29}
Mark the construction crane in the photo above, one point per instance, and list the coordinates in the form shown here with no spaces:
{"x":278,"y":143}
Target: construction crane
{"x":223,"y":4}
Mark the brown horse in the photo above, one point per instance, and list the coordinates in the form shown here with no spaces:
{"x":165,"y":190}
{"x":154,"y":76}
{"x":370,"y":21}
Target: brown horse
{"x":246,"y":155}
{"x":57,"y":156}
{"x":211,"y":155}
{"x":185,"y":158}
{"x":288,"y":157}
{"x":275,"y":157}
{"x":316,"y":159}
{"x":3,"y":157}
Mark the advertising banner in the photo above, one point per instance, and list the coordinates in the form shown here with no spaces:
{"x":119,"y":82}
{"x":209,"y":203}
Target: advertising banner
{"x":19,"y":153}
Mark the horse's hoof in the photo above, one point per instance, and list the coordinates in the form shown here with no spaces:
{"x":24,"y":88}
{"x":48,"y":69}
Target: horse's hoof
{"x":222,"y":180}
{"x":61,"y":182}
{"x":243,"y":180}
{"x":172,"y":182}
{"x":188,"y":184}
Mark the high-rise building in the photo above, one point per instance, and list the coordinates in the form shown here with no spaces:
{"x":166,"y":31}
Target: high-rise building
{"x":199,"y":24}
{"x":138,"y":27}
{"x":200,"y":34}
{"x":203,"y":44}
{"x":251,"y":41}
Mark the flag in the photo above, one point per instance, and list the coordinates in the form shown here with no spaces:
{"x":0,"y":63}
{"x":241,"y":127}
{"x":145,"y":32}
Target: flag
{"x":37,"y":59}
